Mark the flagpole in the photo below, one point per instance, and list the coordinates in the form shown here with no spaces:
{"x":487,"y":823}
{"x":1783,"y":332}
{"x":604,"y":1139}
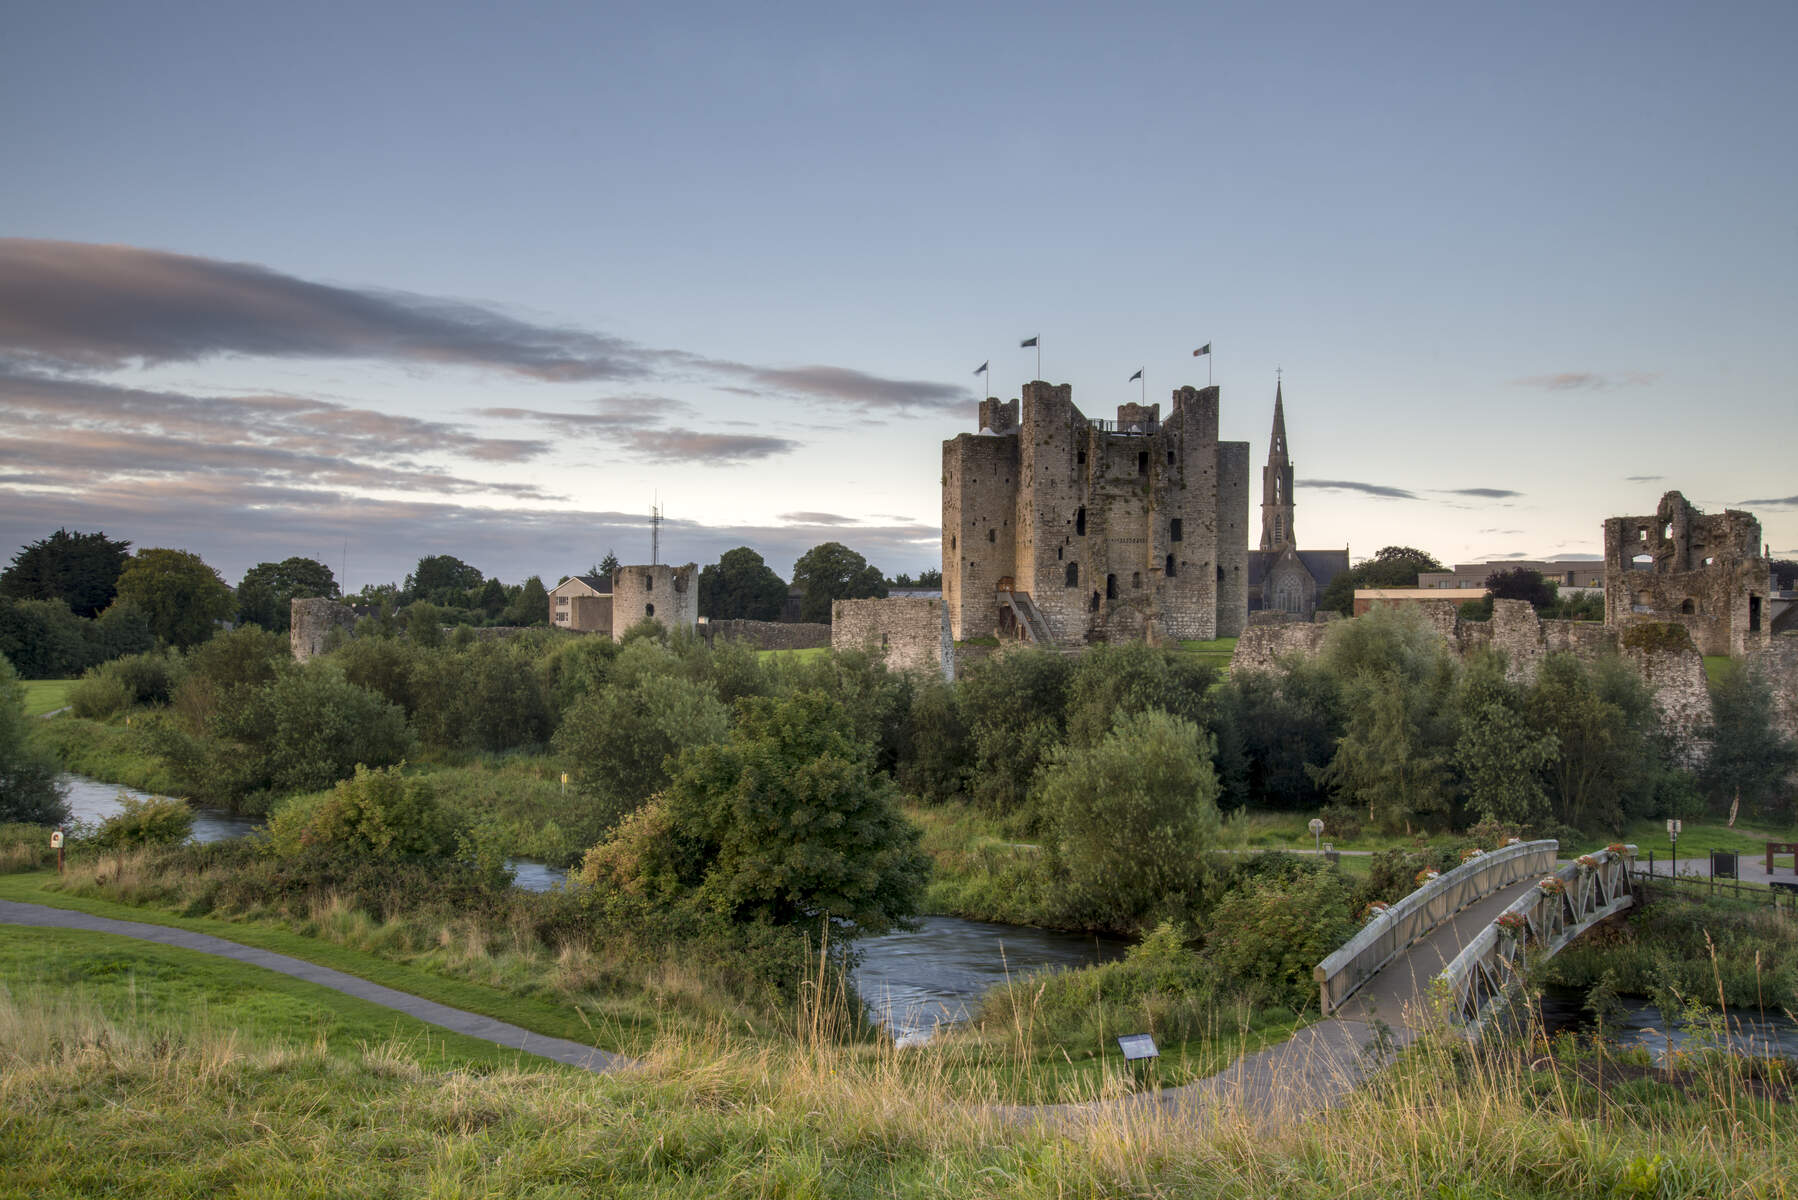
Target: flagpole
{"x":1039,"y":356}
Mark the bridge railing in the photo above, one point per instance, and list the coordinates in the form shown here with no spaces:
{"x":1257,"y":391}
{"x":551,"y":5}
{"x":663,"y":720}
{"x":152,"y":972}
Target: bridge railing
{"x":1544,"y":918}
{"x":1383,"y":938}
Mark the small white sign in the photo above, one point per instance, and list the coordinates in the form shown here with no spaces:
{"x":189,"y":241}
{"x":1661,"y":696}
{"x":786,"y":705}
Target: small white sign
{"x":1138,"y":1046}
{"x":56,"y":839}
{"x":1317,"y":825}
{"x":1673,"y":828}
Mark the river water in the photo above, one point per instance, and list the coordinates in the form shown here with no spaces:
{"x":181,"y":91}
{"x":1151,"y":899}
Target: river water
{"x":1768,"y":1034}
{"x":912,"y":982}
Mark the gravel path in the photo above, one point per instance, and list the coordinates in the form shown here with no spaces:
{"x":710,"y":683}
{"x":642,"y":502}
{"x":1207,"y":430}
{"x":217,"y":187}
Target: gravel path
{"x":474,"y":1025}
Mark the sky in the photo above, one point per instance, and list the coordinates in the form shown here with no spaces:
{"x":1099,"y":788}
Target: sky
{"x":368,"y":282}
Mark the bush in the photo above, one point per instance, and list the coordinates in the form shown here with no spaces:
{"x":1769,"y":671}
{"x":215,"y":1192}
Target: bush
{"x":1016,"y":708}
{"x":127,"y":682}
{"x":380,"y":814}
{"x":28,"y":788}
{"x":145,"y":821}
{"x":1273,"y":931}
{"x":97,"y":696}
{"x":621,"y":742}
{"x":1131,"y":820}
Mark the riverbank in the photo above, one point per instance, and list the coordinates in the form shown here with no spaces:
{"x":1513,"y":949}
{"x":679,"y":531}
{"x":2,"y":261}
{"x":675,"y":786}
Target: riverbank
{"x":98,"y":1100}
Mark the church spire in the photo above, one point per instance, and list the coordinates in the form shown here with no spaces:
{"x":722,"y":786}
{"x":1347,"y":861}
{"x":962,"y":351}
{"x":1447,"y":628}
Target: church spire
{"x":1276,"y":483}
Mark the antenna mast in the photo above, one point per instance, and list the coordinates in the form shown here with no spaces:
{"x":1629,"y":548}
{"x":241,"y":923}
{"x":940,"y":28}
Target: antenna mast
{"x":655,"y":534}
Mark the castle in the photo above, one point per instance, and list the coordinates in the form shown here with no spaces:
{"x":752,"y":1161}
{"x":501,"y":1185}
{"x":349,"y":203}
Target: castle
{"x":1063,"y":529}
{"x":1708,"y":573}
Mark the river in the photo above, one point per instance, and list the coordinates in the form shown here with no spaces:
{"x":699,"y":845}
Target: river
{"x":912,"y":982}
{"x":1769,"y":1034}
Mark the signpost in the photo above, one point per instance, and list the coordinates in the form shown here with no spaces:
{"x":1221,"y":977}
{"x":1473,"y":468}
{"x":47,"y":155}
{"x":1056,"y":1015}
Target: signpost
{"x":56,"y":845}
{"x":1317,"y":833}
{"x":1673,"y":828}
{"x":1139,"y":1051}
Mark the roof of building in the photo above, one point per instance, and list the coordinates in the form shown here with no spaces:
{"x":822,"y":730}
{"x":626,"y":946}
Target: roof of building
{"x":599,"y":584}
{"x":1324,"y":565}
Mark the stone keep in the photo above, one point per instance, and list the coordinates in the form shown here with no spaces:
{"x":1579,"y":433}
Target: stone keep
{"x":1679,"y":566}
{"x":1062,"y":529}
{"x":659,"y":593}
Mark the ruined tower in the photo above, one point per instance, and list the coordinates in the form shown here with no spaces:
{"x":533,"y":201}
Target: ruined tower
{"x":1276,"y":484}
{"x":1708,"y":573}
{"x":1060,"y":528}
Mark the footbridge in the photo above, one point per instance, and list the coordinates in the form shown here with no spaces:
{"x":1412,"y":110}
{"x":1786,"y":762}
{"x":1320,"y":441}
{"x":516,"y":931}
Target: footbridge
{"x":1455,"y":943}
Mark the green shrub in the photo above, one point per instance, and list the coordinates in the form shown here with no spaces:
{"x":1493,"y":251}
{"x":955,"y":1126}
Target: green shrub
{"x":378,"y":813}
{"x":145,"y":821}
{"x":135,"y":679}
{"x":98,"y":695}
{"x":28,"y":787}
{"x":1272,"y":931}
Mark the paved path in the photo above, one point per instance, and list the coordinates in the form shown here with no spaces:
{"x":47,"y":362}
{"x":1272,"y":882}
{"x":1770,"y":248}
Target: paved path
{"x":474,"y":1025}
{"x":1321,"y":1064}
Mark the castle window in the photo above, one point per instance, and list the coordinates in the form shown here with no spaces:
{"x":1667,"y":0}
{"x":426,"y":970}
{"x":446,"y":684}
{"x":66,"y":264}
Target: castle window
{"x":952,"y":545}
{"x":1170,"y":458}
{"x":1073,"y":575}
{"x":1685,"y":606}
{"x":1169,"y":569}
{"x":1667,"y":531}
{"x":1080,"y":521}
{"x":1142,"y":462}
{"x":1080,"y":458}
{"x":1136,"y":579}
{"x":1173,"y":530}
{"x":1220,"y":572}
{"x":1111,"y":587}
{"x":1094,"y":606}
{"x":680,"y":583}
{"x":649,"y":610}
{"x":992,"y":535}
{"x":1060,"y":553}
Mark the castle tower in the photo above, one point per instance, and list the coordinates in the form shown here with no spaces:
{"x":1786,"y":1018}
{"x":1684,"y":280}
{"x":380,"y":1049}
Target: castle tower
{"x":1276,"y":485}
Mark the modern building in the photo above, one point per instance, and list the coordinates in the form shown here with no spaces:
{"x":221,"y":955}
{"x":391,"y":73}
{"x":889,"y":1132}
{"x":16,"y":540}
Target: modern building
{"x":582,"y":603}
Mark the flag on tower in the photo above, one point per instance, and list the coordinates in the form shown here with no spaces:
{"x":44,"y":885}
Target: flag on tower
{"x":1135,"y":377}
{"x":1027,"y":343}
{"x":1205,"y":349}
{"x":981,"y":369}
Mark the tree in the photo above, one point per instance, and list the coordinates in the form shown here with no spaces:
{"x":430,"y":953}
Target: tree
{"x":1521,"y":583}
{"x":43,"y":639}
{"x":932,"y":578}
{"x":1499,"y":754}
{"x":1113,"y":681}
{"x":1393,"y":566}
{"x":1600,"y":718}
{"x":28,"y":787}
{"x":379,"y":814}
{"x":182,"y":598}
{"x":832,"y":571}
{"x":607,"y":565}
{"x":443,"y":579}
{"x":1016,"y":709}
{"x":621,"y":740}
{"x":1274,"y":726}
{"x":1132,"y":818}
{"x":786,"y":825}
{"x":530,"y":606}
{"x":266,"y":594}
{"x":80,"y":569}
{"x":493,"y":598}
{"x":1749,"y":756}
{"x":740,"y":586}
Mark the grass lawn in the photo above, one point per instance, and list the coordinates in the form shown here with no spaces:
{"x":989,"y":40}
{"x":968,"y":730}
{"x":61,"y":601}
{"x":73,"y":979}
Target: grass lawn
{"x":110,"y":751}
{"x":1214,"y":653}
{"x":795,"y":655}
{"x":171,"y":990}
{"x":1716,"y":666}
{"x":1698,"y":838}
{"x":46,"y":695}
{"x":607,"y":1030}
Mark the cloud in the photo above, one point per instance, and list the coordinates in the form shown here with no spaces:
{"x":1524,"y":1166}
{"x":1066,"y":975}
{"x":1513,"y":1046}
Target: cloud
{"x":858,"y":388}
{"x":1643,"y":478}
{"x":712,"y":449}
{"x":1571,"y":381}
{"x":1480,"y":493}
{"x":1772,"y":502}
{"x":818,"y":518}
{"x":106,"y":307}
{"x":1347,"y":485}
{"x":1503,"y":532}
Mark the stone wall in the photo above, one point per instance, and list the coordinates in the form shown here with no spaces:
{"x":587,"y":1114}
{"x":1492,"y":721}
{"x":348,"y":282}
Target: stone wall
{"x":1678,"y":565}
{"x":663,"y":593}
{"x":769,"y":635}
{"x":1662,"y":654}
{"x":1777,"y":659}
{"x":910,"y":634}
{"x":313,"y":622}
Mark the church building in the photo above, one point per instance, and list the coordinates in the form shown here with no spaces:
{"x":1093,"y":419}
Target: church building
{"x":1283,"y":578}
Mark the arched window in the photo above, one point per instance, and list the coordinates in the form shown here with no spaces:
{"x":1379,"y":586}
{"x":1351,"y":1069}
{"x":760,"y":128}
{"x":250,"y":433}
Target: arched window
{"x":649,"y":610}
{"x":1080,"y":521}
{"x":1169,"y":569}
{"x":1073,"y":575}
{"x":1686,"y":607}
{"x":1111,"y":587}
{"x":1174,"y":530}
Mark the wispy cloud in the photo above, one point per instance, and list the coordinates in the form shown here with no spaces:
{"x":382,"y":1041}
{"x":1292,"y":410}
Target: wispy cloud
{"x":1771,"y":502}
{"x":1381,"y":490}
{"x":1480,"y":493}
{"x":842,"y":384}
{"x":1643,"y":478}
{"x":1573,"y":381}
{"x":714,"y":449}
{"x":818,"y":518}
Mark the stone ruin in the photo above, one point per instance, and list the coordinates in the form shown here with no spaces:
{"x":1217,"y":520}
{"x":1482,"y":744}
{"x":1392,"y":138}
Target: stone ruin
{"x":1679,"y":566}
{"x":911,"y":633}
